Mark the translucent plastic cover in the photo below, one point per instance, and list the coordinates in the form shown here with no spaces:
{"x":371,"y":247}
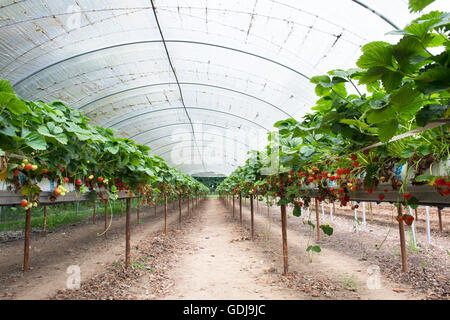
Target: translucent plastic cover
{"x":207,"y":91}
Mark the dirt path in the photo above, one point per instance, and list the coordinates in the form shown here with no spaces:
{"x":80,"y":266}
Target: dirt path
{"x":223,"y":265}
{"x":71,"y":245}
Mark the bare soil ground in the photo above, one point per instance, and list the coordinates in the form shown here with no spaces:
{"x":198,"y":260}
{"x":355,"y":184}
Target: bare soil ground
{"x":211,"y":256}
{"x":377,"y":245}
{"x":77,"y":244}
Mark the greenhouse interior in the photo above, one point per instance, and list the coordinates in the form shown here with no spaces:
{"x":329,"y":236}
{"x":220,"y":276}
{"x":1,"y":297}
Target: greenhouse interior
{"x":224,"y":150}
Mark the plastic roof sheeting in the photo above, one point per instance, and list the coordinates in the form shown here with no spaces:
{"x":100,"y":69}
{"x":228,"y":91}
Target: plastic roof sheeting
{"x":239,"y":65}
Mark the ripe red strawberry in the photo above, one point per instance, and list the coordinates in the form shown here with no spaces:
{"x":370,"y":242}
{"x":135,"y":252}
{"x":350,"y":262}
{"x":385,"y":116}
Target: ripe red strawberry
{"x":28,"y":167}
{"x":78,"y":182}
{"x":24,"y":203}
{"x":315,"y":169}
{"x":381,"y":197}
{"x":407,"y":196}
{"x":62,"y":170}
{"x":347,"y":170}
{"x":340,"y":172}
{"x":440,"y":182}
{"x":100,"y":179}
{"x":355,"y":164}
{"x":325,"y":173}
{"x":353,"y":157}
{"x":386,"y":190}
{"x":341,"y":190}
{"x":331,"y":189}
{"x":66,"y":180}
{"x":408,"y":219}
{"x":445,"y":192}
{"x":332,"y":178}
{"x":16,"y":173}
{"x":310,"y":179}
{"x":399,"y":218}
{"x":369,"y":191}
{"x":448,"y":184}
{"x":44,"y":170}
{"x":319,"y":177}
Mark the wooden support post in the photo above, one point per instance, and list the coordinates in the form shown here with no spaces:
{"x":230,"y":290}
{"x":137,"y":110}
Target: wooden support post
{"x":106,"y":219}
{"x":240,"y":208}
{"x":121,"y":208}
{"x":179,"y":209}
{"x":166,"y":214}
{"x":371,"y":211}
{"x":94,"y":214}
{"x":317,"y":220}
{"x":138,"y":210}
{"x":440,"y":219}
{"x":401,"y":229}
{"x":127,"y":233}
{"x":44,"y":229}
{"x":284,"y":237}
{"x":252,"y":216}
{"x":26,"y":252}
{"x":189,"y":207}
{"x":415,"y":212}
{"x":233,"y":206}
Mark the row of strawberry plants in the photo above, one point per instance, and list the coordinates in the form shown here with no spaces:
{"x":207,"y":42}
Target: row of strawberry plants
{"x":43,"y":144}
{"x":397,"y":88}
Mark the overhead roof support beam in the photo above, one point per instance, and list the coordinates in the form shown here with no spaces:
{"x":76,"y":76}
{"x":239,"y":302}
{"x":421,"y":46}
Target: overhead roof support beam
{"x":176,"y":78}
{"x":175,"y":124}
{"x":184,"y":83}
{"x":17,"y":83}
{"x":193,"y":108}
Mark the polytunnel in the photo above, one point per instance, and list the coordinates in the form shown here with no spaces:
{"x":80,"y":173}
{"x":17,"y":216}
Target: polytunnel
{"x":200,"y":82}
{"x":169,"y":149}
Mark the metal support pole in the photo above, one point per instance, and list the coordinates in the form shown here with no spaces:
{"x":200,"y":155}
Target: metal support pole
{"x":427,"y":212}
{"x":94,"y":214}
{"x":233,"y":206}
{"x":166,"y":214}
{"x":252,"y":214}
{"x":240,"y":208}
{"x":317,"y":220}
{"x":127,"y":233}
{"x":364,"y":215}
{"x":26,"y":252}
{"x":413,"y":229}
{"x":356,"y":219}
{"x":106,"y":219}
{"x":284,"y":238}
{"x":440,"y":219}
{"x":138,"y":210}
{"x":401,"y":229}
{"x":179,"y":208}
{"x":44,"y":229}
